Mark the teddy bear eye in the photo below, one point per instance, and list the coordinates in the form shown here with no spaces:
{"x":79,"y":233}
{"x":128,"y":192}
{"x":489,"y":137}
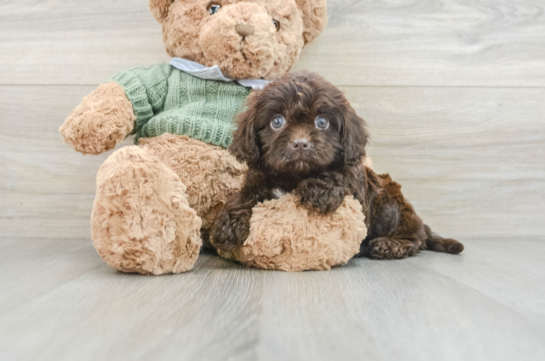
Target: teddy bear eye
{"x":213,"y":8}
{"x":276,"y":24}
{"x":277,"y":122}
{"x":322,"y":123}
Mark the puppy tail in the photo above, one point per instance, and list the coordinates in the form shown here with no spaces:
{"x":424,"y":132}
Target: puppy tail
{"x":435,"y":242}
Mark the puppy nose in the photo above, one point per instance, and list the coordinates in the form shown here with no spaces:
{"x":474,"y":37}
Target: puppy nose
{"x":244,"y":29}
{"x":300,"y":144}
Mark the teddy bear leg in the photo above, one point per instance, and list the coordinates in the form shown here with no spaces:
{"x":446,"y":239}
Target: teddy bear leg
{"x":210,"y":173}
{"x":141,"y":220}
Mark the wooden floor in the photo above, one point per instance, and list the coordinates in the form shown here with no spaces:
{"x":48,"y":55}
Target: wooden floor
{"x":454,"y":94}
{"x":59,"y":301}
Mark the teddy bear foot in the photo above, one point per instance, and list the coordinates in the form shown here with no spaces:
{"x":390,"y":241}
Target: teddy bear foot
{"x":141,"y":220}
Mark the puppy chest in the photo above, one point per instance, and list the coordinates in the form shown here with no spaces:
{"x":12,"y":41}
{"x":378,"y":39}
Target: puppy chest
{"x":278,"y":192}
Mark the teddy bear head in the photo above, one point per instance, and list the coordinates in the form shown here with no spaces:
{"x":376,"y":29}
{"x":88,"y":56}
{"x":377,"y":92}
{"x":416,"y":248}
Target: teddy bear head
{"x":246,"y":39}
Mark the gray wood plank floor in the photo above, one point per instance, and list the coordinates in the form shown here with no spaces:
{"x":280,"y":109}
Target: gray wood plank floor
{"x":59,"y":301}
{"x":453,"y":91}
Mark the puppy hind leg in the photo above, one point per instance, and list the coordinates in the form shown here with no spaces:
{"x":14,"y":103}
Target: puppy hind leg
{"x":436,"y":243}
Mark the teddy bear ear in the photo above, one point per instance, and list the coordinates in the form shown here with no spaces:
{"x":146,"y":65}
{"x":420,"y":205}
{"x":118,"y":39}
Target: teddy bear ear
{"x":159,"y":9}
{"x":314,"y":17}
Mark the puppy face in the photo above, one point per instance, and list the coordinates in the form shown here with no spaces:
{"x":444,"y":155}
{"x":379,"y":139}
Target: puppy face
{"x":298,"y":128}
{"x":299,"y":124}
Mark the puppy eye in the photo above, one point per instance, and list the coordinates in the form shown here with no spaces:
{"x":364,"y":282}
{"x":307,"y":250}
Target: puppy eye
{"x":276,"y":24}
{"x":278,"y":123}
{"x":321,"y":123}
{"x":213,"y":8}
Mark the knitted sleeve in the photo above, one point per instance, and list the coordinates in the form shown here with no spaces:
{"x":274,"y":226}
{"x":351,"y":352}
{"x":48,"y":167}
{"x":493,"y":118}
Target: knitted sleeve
{"x":146,"y":89}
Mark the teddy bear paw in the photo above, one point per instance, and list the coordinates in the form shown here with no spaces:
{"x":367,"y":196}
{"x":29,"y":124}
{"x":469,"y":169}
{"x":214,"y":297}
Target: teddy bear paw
{"x":103,"y":119}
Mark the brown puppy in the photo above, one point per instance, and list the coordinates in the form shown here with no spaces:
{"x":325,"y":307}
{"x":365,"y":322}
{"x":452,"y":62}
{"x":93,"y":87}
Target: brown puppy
{"x":301,"y":135}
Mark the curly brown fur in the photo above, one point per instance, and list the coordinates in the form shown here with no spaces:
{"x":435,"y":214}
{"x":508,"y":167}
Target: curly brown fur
{"x":269,"y":39}
{"x":133,"y":182}
{"x":102,"y":120}
{"x":210,"y":173}
{"x":289,"y":148}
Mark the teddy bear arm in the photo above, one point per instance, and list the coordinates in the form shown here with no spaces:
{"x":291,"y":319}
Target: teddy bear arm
{"x":103,"y":119}
{"x":116,"y":109}
{"x":146,"y":88}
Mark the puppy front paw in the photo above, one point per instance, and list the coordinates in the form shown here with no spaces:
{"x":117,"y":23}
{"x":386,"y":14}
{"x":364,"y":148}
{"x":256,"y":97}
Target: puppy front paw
{"x":230,"y":230}
{"x":320,"y":196}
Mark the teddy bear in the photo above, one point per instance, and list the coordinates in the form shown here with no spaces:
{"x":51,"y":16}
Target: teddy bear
{"x":157,"y":200}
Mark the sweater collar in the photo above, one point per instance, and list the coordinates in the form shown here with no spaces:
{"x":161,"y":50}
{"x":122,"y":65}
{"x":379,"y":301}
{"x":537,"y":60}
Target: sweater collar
{"x":214,"y":73}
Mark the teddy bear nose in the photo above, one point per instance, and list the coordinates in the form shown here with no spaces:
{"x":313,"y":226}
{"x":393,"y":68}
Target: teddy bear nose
{"x":244,"y":29}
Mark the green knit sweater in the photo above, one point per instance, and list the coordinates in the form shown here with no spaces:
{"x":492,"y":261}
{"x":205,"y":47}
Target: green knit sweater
{"x":167,"y":100}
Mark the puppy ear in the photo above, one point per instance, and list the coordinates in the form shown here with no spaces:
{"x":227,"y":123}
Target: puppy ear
{"x":354,"y":136}
{"x":314,"y":18}
{"x":159,"y":9}
{"x":245,"y":145}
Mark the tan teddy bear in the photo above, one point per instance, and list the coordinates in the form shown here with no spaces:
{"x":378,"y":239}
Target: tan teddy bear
{"x":155,"y":200}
